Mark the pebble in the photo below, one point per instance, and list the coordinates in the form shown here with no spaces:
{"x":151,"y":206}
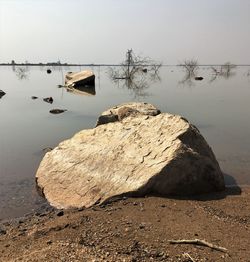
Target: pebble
{"x":60,"y":213}
{"x":2,"y":231}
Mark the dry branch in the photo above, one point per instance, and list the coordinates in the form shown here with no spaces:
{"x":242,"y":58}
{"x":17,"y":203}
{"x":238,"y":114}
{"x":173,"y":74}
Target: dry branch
{"x":186,"y":255}
{"x":198,"y":242}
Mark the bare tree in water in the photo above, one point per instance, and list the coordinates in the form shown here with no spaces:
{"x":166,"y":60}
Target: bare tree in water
{"x":136,"y":72}
{"x":190,"y":67}
{"x":225,"y":71}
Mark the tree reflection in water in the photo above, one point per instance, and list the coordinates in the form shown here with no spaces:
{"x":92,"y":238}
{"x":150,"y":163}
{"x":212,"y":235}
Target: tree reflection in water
{"x":22,"y":72}
{"x":190,"y":68}
{"x":136,"y":73}
{"x":225,"y":71}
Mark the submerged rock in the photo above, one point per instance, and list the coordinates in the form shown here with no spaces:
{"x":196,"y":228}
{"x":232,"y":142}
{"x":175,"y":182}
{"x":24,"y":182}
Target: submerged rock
{"x":198,"y":78}
{"x":143,"y":152}
{"x":2,"y":93}
{"x":57,"y":111}
{"x":48,"y":100}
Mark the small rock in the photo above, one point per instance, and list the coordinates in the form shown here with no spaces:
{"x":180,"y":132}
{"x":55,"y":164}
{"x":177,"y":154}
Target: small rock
{"x":60,"y":213}
{"x":199,"y":78}
{"x":34,"y":97}
{"x":2,"y":232}
{"x":48,"y":100}
{"x":49,"y":242}
{"x":57,"y":111}
{"x":142,"y":226}
{"x":2,"y":93}
{"x":49,"y":71}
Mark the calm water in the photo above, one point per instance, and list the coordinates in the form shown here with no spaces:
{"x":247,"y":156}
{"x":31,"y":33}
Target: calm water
{"x":219,"y":107}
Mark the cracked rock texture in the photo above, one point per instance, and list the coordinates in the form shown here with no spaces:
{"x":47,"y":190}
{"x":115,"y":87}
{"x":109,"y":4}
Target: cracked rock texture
{"x":139,"y":153}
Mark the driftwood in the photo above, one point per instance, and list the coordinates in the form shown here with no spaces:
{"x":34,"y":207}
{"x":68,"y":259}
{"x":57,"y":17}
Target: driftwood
{"x":198,"y":242}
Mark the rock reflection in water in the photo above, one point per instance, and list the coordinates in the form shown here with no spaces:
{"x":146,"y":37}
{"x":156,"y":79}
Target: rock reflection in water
{"x":82,"y":90}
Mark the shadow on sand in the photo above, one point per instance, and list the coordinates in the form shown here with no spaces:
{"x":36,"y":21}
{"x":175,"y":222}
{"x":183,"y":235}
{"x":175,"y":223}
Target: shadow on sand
{"x":231,"y":188}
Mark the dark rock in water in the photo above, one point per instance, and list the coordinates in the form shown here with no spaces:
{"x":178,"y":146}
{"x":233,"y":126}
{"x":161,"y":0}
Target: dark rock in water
{"x":144,"y":70}
{"x":57,"y":111}
{"x":199,"y":78}
{"x":49,"y":71}
{"x":48,"y":100}
{"x":34,"y":97}
{"x":2,"y":93}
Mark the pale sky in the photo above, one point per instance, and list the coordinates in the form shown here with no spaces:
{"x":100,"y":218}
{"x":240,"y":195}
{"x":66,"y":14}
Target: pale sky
{"x":100,"y":31}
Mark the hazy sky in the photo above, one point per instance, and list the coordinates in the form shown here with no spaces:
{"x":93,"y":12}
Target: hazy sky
{"x":100,"y":31}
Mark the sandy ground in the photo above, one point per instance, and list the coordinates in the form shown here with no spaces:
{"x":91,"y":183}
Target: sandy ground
{"x":134,"y":229}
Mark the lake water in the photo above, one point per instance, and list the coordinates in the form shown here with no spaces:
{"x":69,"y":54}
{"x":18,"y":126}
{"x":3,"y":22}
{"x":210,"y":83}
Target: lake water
{"x":218,"y":106}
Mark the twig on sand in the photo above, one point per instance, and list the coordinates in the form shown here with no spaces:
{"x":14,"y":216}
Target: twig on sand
{"x":186,"y":255}
{"x":198,"y":242}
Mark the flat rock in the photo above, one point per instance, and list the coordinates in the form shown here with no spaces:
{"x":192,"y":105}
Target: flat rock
{"x":85,"y":77}
{"x":140,"y":153}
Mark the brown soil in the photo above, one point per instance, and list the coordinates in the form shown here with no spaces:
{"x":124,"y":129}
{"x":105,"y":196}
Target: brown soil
{"x":134,"y":229}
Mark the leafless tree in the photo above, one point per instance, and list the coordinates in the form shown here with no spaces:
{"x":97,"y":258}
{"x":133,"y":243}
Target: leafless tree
{"x":225,"y":71}
{"x":136,"y":72}
{"x":191,"y":67}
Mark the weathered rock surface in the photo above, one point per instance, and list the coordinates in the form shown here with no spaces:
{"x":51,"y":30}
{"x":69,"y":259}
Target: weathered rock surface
{"x":117,"y":113}
{"x":140,"y":153}
{"x":85,"y":77}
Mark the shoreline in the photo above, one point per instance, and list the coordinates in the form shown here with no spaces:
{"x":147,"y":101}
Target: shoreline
{"x":134,"y":229}
{"x":45,"y":206}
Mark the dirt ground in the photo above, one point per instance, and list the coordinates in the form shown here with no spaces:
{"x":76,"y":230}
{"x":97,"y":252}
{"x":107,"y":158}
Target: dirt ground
{"x":134,"y":229}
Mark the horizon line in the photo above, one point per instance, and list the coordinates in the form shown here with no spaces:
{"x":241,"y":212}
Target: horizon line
{"x":99,"y":64}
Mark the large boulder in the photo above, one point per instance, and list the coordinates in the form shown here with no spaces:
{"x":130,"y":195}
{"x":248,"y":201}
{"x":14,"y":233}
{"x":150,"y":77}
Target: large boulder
{"x":142,"y":152}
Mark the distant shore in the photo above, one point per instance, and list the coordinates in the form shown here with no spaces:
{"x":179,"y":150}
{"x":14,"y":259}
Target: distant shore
{"x":96,"y":64}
